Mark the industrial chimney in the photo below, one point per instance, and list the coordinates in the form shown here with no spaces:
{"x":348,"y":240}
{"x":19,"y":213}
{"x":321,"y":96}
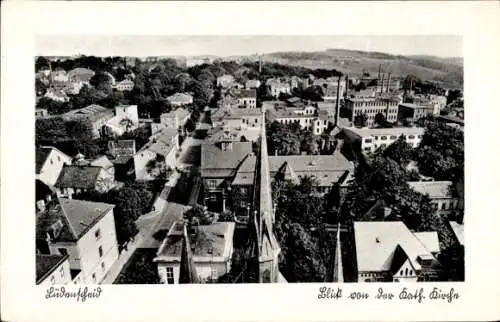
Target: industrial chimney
{"x":337,"y":108}
{"x":382,"y":84}
{"x":388,"y":82}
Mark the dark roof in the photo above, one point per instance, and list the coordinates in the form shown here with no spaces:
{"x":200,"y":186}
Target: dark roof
{"x":214,"y":158}
{"x":246,"y":93}
{"x":398,"y":259}
{"x":46,"y":264}
{"x":81,"y":177}
{"x":42,"y":190}
{"x":122,"y":147}
{"x":42,"y":153}
{"x":75,"y":218}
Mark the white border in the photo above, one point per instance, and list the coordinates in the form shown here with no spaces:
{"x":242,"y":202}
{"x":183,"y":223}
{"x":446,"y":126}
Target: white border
{"x":477,"y":21}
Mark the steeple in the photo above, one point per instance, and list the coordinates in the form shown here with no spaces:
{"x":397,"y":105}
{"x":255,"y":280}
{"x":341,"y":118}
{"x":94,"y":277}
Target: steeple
{"x":187,"y":270}
{"x":338,"y":271}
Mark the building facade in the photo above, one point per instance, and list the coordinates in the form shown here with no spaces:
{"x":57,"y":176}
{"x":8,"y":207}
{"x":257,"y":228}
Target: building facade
{"x":369,"y":140}
{"x":388,"y":107}
{"x":413,"y":112}
{"x":52,"y":270}
{"x":49,"y":163}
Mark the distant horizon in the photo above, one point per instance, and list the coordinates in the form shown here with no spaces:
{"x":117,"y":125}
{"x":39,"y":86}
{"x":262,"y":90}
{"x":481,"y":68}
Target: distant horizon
{"x":227,"y":46}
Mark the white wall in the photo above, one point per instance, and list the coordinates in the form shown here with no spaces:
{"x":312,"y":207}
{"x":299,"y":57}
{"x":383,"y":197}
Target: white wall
{"x":405,"y":273}
{"x":60,"y":276}
{"x":203,"y":269}
{"x":53,"y":166}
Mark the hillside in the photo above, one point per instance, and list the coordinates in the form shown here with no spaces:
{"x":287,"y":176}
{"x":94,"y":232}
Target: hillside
{"x":448,"y":71}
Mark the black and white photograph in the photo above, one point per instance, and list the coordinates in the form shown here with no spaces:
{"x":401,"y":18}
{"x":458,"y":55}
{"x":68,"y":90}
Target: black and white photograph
{"x":250,"y":159}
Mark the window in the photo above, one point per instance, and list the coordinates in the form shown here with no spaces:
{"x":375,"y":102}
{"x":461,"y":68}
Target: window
{"x":51,"y":161}
{"x":406,"y":272}
{"x":103,"y":267}
{"x":396,"y":280}
{"x":100,"y":251}
{"x":383,"y":138}
{"x":212,"y":184}
{"x":411,"y":273}
{"x":411,"y":136}
{"x":393,"y":137}
{"x":443,"y":206}
{"x":367,"y":149}
{"x":62,"y":251}
{"x":376,"y":137}
{"x":368,"y":140}
{"x":52,"y":280}
{"x":170,"y":275}
{"x":98,"y":233}
{"x":58,"y":158}
{"x":94,"y":279}
{"x":61,"y":271}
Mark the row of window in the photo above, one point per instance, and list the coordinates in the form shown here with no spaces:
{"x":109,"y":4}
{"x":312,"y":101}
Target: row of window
{"x":444,"y":206}
{"x":58,"y":159}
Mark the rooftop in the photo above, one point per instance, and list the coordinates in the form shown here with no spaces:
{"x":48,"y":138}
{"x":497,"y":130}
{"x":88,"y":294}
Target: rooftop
{"x":458,"y":229}
{"x":81,"y":74}
{"x":79,"y":177}
{"x":214,"y":158}
{"x":429,"y":239}
{"x":235,"y":113}
{"x":377,"y":242}
{"x":69,"y":219}
{"x":179,"y":113}
{"x":209,"y":242}
{"x":246,"y":171}
{"x":398,"y":131}
{"x":41,"y":155}
{"x":46,"y":264}
{"x":435,"y":189}
{"x":414,"y":106}
{"x":244,"y":93}
{"x":92,"y":111}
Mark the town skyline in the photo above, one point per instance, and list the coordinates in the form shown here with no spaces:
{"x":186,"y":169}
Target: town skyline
{"x":244,"y":45}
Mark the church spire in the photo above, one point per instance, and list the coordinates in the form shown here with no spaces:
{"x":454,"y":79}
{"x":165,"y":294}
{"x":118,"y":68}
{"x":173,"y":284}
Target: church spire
{"x":338,"y":271}
{"x":187,"y":273}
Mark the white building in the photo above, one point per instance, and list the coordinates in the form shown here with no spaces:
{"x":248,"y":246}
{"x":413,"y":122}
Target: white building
{"x":252,"y":84}
{"x":175,"y":119}
{"x":372,"y":139}
{"x":440,"y":193}
{"x":49,"y":163}
{"x":83,"y":230}
{"x":52,"y":270}
{"x":211,"y":246}
{"x":277,"y":87}
{"x":56,"y":95}
{"x":387,"y":251}
{"x":307,"y":118}
{"x":180,"y":99}
{"x":125,"y":85}
{"x":126,"y":119}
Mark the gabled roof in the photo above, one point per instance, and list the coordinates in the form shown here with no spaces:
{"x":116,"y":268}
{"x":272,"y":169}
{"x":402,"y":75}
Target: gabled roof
{"x":458,"y":229}
{"x":286,"y":172}
{"x":80,"y":177}
{"x":376,"y":243}
{"x":76,"y":218}
{"x":435,"y":189}
{"x":42,"y":153}
{"x":46,"y":264}
{"x":244,"y":93}
{"x":214,"y":158}
{"x":102,"y":162}
{"x":81,"y":74}
{"x":429,"y":239}
{"x":246,"y":172}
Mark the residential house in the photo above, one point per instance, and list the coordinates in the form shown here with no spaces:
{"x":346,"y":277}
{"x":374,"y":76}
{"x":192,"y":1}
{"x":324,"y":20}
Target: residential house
{"x":308,"y":118}
{"x":125,"y":120}
{"x":125,"y":85}
{"x":59,"y":75}
{"x":56,"y":95}
{"x":413,"y":112}
{"x":49,"y":163}
{"x":276,"y":86}
{"x":104,"y":163}
{"x":326,"y":169}
{"x":225,"y":81}
{"x":160,"y":151}
{"x":236,"y":118}
{"x":387,"y":251}
{"x":180,"y":99}
{"x":369,"y":140}
{"x":388,"y":107}
{"x":441,"y":193}
{"x":175,"y":119}
{"x":41,"y":113}
{"x":80,"y":76}
{"x":219,"y":161}
{"x":52,"y":269}
{"x":211,"y":247}
{"x":247,"y":98}
{"x":82,"y":230}
{"x":98,"y":116}
{"x":77,"y":178}
{"x":252,"y":84}
{"x":123,"y":152}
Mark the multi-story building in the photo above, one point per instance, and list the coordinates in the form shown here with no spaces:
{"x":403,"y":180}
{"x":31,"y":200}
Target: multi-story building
{"x":211,"y":248}
{"x":413,"y":112}
{"x":387,"y":251}
{"x":56,"y":95}
{"x":308,"y":118}
{"x":41,"y":113}
{"x":49,"y":163}
{"x":236,"y":118}
{"x":97,"y":115}
{"x":175,"y":119}
{"x":247,"y":98}
{"x":371,"y":107}
{"x":82,"y":230}
{"x":276,"y":86}
{"x":252,"y":84}
{"x":441,"y":194}
{"x":369,"y":140}
{"x":52,"y":270}
{"x":125,"y":85}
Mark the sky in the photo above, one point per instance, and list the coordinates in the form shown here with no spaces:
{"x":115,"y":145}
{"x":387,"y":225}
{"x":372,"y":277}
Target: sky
{"x":150,"y":45}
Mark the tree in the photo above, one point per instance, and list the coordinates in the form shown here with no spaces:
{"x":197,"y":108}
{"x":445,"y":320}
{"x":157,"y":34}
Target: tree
{"x":197,"y":215}
{"x":361,"y":86}
{"x":102,"y":82}
{"x":399,"y":151}
{"x":41,"y":62}
{"x":80,"y":129}
{"x":140,"y":269}
{"x":360,"y":120}
{"x":380,"y":119}
{"x":453,"y":95}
